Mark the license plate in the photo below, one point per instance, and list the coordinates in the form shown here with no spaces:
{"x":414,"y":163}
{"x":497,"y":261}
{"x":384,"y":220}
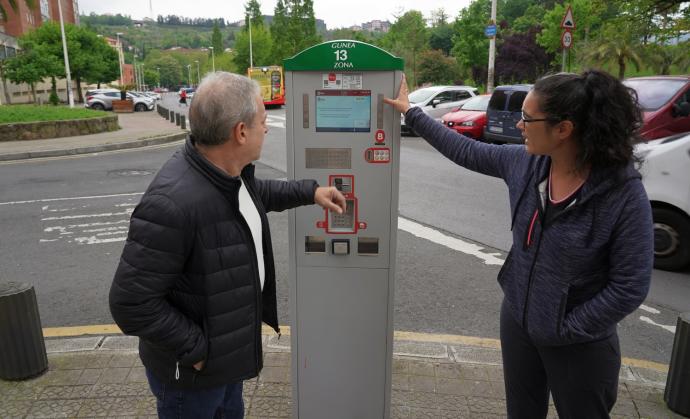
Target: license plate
{"x":496,"y":129}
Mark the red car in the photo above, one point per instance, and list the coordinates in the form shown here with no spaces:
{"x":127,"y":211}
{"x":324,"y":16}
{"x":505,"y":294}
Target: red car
{"x":470,"y":119}
{"x":665,"y":101}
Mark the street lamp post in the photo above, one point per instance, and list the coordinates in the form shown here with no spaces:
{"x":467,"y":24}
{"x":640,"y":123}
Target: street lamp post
{"x":70,"y":96}
{"x":159,"y":76}
{"x":251,"y":56}
{"x":213,"y":59}
{"x":198,"y":77}
{"x":143,"y":79}
{"x":189,"y":74}
{"x":119,"y":56}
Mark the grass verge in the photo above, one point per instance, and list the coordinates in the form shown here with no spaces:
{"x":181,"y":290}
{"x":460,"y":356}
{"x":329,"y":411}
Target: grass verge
{"x":35,"y":113}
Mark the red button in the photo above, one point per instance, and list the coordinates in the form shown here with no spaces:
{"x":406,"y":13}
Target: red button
{"x":331,"y":76}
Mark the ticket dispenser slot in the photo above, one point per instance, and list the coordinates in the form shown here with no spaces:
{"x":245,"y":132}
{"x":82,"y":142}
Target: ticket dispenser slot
{"x":340,"y":133}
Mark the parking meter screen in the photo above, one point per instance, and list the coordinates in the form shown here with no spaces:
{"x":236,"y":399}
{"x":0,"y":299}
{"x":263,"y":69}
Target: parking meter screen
{"x":343,"y":110}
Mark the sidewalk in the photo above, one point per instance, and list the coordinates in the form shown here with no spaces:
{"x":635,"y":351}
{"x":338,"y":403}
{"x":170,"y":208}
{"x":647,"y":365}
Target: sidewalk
{"x":138,"y":129}
{"x":101,"y":376}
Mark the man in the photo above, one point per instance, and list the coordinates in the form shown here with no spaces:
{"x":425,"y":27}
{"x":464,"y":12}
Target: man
{"x":196,"y":277}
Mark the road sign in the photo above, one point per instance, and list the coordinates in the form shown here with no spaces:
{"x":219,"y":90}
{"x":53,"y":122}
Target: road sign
{"x":567,"y":39}
{"x":490,"y":30}
{"x":568,"y":21}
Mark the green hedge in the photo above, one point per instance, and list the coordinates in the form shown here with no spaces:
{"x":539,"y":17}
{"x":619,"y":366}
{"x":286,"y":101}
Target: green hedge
{"x":34,"y":113}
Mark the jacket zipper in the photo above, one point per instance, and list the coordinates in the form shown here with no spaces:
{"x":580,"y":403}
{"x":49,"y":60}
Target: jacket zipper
{"x":177,"y":371}
{"x":255,"y":263}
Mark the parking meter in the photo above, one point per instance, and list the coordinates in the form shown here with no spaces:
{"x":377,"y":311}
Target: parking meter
{"x":342,"y":266}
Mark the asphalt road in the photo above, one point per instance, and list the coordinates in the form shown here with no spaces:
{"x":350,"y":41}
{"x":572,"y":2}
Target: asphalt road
{"x":69,"y":248}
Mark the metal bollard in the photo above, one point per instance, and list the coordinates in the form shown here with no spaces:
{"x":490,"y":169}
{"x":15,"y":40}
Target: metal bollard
{"x":172,"y":117}
{"x":22,"y":349}
{"x":678,"y":379}
{"x":177,"y":119}
{"x":183,"y":122}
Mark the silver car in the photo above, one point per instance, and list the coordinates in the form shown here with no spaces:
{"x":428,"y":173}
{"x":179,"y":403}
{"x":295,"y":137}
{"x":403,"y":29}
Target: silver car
{"x":102,"y":100}
{"x":437,"y":101}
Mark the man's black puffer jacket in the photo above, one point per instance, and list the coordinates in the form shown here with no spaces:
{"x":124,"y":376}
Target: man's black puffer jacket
{"x":188,"y":283}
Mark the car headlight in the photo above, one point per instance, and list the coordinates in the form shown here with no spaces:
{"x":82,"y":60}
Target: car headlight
{"x":467,"y":124}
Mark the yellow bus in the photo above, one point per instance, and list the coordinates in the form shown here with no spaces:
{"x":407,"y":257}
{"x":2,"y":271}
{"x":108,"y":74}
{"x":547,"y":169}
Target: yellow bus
{"x":270,"y":79}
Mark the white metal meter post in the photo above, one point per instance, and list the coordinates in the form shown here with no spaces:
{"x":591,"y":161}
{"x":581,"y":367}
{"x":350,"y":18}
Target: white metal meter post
{"x":342,"y":266}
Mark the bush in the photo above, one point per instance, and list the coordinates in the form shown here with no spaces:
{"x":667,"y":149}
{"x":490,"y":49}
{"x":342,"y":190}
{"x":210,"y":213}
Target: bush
{"x":54,"y":99}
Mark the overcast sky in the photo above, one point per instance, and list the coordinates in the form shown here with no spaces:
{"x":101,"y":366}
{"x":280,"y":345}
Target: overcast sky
{"x":336,"y":14}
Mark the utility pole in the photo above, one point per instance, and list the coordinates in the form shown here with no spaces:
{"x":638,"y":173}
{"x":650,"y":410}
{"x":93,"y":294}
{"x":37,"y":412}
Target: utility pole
{"x":213,"y":58}
{"x":70,"y":95}
{"x":119,"y":56}
{"x":198,"y":75}
{"x":251,"y":57}
{"x":492,"y":52}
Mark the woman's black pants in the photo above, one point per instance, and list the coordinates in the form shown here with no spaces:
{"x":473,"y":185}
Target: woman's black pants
{"x":582,"y":378}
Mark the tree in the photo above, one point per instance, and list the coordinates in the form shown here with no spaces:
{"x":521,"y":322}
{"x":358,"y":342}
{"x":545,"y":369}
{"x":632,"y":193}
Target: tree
{"x":470,"y":45}
{"x":279,"y":33}
{"x":252,"y":11}
{"x":170,"y":70}
{"x":30,"y":66}
{"x":614,"y":47}
{"x":302,"y":25}
{"x":521,"y":59}
{"x":588,"y":14}
{"x":435,"y":67}
{"x":408,"y":38}
{"x":532,"y":17}
{"x":261,"y":43}
{"x":441,"y":38}
{"x":217,"y":41}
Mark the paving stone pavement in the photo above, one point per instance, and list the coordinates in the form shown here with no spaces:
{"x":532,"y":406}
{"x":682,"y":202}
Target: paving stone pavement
{"x":102,"y":376}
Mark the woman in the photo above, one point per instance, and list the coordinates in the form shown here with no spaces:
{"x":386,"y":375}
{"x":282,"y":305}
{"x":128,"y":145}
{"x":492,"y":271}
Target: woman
{"x":582,"y":251}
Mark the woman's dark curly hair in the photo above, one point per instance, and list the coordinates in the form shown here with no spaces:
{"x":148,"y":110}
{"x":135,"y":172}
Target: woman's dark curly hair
{"x":605,"y":113}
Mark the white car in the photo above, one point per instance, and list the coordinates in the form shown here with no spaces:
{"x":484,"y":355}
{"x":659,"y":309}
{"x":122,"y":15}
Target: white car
{"x":666,"y":177}
{"x":437,"y":101}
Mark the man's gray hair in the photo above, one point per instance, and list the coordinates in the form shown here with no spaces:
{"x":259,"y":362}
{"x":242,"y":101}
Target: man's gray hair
{"x":221,"y":101}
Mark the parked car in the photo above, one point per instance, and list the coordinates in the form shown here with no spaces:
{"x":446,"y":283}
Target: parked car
{"x":102,"y":100}
{"x":665,"y":101}
{"x":470,"y":119}
{"x":152,"y":95}
{"x":504,"y":112}
{"x":665,"y":175}
{"x":436,"y":101}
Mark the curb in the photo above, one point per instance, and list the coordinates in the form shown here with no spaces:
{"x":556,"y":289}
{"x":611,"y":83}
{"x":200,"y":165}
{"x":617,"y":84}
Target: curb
{"x":419,"y":346}
{"x":142,"y":142}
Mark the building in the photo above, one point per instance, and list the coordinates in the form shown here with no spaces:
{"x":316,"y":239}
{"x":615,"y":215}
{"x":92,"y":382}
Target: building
{"x":377,"y":26}
{"x":25,"y":19}
{"x":17,"y":24}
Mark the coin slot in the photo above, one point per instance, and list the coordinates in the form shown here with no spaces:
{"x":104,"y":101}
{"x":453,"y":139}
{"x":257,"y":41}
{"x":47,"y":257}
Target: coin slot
{"x":314,"y":244}
{"x":368,"y":245}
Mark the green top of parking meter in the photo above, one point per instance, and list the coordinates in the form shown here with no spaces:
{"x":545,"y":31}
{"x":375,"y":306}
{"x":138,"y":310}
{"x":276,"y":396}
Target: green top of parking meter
{"x":343,"y":55}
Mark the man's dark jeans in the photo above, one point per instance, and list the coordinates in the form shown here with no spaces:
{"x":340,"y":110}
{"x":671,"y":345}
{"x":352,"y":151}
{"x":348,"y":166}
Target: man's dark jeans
{"x":224,"y":402}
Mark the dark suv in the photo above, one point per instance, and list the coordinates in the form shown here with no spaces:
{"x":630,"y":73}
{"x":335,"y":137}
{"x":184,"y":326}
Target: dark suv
{"x":504,"y":112}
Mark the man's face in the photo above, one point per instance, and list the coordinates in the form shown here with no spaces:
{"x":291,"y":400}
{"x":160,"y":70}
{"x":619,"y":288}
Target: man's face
{"x":257,"y":130}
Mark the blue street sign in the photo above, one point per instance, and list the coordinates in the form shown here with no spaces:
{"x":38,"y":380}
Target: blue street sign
{"x":490,"y":31}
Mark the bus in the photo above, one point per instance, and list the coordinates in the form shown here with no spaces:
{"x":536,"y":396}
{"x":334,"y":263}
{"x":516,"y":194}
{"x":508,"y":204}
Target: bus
{"x":270,"y":79}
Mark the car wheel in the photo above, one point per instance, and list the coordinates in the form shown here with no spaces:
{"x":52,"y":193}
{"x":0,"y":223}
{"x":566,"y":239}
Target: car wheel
{"x":97,"y":107}
{"x":671,"y":239}
{"x":140,"y":107}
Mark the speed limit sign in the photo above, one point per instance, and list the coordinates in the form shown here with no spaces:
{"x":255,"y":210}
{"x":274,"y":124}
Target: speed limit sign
{"x":567,"y":39}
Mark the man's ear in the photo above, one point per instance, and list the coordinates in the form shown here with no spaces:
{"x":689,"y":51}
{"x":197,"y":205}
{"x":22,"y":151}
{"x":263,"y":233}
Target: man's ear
{"x":240,"y":133}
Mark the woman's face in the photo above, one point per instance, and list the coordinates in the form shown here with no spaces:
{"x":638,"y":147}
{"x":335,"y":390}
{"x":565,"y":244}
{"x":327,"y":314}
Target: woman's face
{"x":541,"y":136}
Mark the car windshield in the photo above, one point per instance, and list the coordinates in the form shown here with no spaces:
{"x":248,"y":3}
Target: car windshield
{"x":422,"y":95}
{"x":477,"y":103}
{"x":654,"y":93}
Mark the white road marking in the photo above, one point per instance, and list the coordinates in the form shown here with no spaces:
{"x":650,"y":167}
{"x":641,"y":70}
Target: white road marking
{"x":70,"y":198}
{"x":94,"y":240}
{"x":450,"y":242}
{"x":649,"y":309}
{"x":72,"y":217}
{"x":646,"y":319}
{"x":98,"y":230}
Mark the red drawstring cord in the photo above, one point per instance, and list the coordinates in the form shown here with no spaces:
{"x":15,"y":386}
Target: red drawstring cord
{"x":531,"y":227}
